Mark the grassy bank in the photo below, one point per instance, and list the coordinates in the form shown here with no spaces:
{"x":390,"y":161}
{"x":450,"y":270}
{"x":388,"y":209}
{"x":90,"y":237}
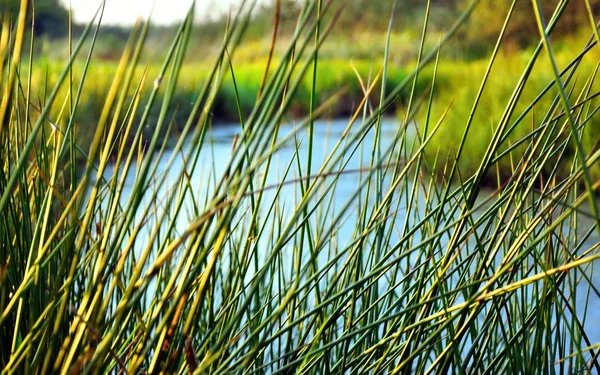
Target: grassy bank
{"x":163,"y":267}
{"x":538,"y":106}
{"x":457,"y":85}
{"x":237,"y":94}
{"x":348,"y":78}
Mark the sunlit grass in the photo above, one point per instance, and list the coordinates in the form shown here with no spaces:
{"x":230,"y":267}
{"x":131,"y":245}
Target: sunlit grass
{"x":223,"y":273}
{"x":460,"y":90}
{"x":336,"y":75}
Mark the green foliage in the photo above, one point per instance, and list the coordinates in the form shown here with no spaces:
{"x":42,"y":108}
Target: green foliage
{"x":338,"y":77}
{"x":115,"y":260}
{"x":483,"y":28}
{"x":51,"y":17}
{"x":458,"y":86}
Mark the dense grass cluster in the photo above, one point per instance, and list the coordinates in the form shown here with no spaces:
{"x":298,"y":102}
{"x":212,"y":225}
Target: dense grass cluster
{"x":537,"y":105}
{"x":127,"y":264}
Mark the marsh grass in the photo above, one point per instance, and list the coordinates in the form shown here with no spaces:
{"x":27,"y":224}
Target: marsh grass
{"x":460,"y":90}
{"x":223,"y":274}
{"x":336,"y":75}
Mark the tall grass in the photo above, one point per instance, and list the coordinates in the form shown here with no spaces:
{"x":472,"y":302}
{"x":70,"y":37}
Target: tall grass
{"x":150,"y":268}
{"x":460,"y":90}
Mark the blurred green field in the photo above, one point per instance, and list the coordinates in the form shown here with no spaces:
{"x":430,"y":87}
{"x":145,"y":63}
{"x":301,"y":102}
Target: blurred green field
{"x":349,"y":60}
{"x":456,"y":91}
{"x":456,"y":86}
{"x":347,"y":79}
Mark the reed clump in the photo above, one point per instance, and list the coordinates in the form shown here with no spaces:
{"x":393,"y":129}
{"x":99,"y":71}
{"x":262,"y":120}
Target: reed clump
{"x":137,"y":261}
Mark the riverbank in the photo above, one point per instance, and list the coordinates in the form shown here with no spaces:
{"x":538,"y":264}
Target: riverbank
{"x":537,"y":113}
{"x":456,"y":86}
{"x":335,"y":77}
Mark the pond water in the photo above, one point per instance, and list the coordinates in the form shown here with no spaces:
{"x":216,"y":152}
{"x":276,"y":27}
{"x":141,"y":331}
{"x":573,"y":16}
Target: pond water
{"x":214,"y":158}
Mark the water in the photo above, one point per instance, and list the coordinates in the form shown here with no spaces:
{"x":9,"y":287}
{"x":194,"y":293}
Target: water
{"x":214,"y":159}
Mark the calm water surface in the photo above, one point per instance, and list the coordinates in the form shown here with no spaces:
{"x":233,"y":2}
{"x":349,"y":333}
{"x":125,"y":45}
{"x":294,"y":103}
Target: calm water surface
{"x":218,"y":151}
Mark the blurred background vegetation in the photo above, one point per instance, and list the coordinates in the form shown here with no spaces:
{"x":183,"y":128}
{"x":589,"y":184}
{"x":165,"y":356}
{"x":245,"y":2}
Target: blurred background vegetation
{"x":359,"y":24}
{"x":351,"y":56}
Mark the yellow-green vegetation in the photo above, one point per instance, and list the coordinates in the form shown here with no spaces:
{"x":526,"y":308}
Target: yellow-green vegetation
{"x":155,"y":255}
{"x":459,"y":85}
{"x":345,"y":78}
